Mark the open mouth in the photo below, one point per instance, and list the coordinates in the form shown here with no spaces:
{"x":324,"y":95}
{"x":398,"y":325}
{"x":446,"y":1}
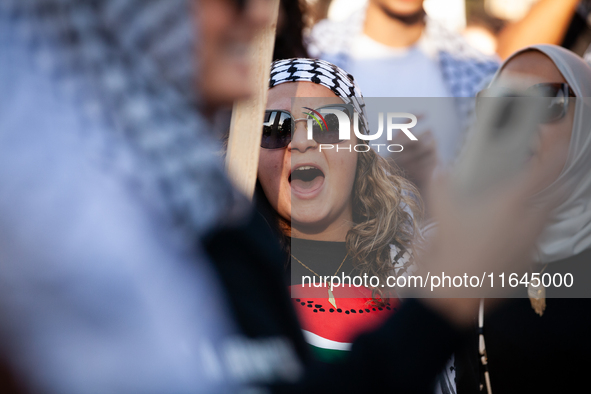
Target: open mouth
{"x":306,"y":178}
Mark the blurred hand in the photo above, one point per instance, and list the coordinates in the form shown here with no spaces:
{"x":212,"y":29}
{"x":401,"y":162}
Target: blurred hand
{"x":418,"y":159}
{"x":494,"y":233}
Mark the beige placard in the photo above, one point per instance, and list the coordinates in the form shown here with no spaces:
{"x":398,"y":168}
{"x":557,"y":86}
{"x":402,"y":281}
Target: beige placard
{"x":244,"y":142}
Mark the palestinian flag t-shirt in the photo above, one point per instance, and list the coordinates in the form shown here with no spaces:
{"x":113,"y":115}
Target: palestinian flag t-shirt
{"x":331,"y":330}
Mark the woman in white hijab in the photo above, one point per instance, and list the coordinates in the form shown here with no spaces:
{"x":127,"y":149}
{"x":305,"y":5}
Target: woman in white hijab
{"x":569,"y":232}
{"x":541,"y":349}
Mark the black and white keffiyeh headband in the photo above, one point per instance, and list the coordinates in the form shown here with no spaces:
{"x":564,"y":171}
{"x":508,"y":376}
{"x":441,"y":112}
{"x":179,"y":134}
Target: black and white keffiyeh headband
{"x":321,"y":72}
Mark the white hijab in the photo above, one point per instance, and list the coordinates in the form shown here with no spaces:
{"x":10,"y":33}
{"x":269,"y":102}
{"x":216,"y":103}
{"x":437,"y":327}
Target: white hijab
{"x":568,"y":232}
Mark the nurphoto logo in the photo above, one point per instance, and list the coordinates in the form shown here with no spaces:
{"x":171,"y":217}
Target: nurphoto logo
{"x":343,"y":126}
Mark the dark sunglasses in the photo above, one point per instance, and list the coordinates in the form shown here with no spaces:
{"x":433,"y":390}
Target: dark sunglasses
{"x":557,"y":93}
{"x":279,"y":126}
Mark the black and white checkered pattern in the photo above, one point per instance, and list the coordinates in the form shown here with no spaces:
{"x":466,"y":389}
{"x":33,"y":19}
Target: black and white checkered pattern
{"x":322,"y":73}
{"x":129,"y":64}
{"x":464,"y":68}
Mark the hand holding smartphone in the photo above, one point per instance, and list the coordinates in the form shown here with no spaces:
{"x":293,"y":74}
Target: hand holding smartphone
{"x":499,"y":142}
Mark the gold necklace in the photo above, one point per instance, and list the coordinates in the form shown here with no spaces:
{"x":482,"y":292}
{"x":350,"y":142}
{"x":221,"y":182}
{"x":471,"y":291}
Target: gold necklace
{"x":331,"y":298}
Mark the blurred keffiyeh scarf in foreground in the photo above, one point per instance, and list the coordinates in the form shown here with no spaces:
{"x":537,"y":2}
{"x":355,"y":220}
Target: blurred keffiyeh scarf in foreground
{"x":130,"y":64}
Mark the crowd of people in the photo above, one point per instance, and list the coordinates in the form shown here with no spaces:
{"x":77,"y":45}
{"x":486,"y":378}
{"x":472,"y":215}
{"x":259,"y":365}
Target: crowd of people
{"x":130,"y":264}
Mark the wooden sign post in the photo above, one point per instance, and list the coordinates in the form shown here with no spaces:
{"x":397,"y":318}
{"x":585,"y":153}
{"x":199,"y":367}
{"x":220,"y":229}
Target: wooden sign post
{"x":242,"y":158}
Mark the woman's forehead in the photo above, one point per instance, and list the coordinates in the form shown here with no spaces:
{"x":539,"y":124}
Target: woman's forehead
{"x":293,"y":95}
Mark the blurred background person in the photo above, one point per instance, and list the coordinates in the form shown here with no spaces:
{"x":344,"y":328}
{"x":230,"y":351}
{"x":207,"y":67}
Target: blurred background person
{"x":510,"y":25}
{"x":493,"y":25}
{"x":547,"y":22}
{"x":534,"y":345}
{"x":395,"y":50}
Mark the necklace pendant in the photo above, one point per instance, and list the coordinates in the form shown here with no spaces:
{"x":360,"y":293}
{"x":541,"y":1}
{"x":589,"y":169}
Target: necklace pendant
{"x":537,"y":297}
{"x":331,"y":298}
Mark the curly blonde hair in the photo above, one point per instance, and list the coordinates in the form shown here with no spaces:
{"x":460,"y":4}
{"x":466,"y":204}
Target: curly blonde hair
{"x":386,"y":211}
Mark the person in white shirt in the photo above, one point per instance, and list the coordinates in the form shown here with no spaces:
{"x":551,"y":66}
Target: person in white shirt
{"x":395,"y":50}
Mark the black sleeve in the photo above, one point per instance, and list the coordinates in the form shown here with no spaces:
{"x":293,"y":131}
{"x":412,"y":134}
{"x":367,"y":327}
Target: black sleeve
{"x":405,"y":355}
{"x":248,"y":261}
